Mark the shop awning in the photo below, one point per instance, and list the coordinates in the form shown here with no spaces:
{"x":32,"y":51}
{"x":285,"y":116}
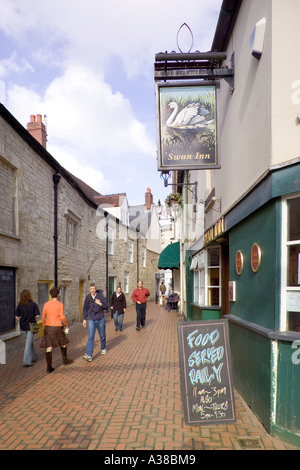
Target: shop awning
{"x":170,"y":257}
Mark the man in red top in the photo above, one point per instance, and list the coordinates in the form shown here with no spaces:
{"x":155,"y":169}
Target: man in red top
{"x":139,"y":296}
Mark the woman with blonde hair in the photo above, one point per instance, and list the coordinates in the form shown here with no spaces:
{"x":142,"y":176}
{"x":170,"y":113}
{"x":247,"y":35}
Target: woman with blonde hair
{"x":54,"y":320}
{"x":27,"y":312}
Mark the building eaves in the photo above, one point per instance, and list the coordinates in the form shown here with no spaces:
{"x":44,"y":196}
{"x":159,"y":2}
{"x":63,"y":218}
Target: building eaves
{"x":227,"y":18}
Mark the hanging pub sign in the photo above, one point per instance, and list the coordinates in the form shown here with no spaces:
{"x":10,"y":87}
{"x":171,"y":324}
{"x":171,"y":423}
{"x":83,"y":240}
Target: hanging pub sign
{"x":186,"y":126}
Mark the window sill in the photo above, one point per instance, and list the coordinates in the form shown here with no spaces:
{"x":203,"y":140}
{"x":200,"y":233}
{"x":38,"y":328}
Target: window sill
{"x":272,"y":334}
{"x":9,"y":335}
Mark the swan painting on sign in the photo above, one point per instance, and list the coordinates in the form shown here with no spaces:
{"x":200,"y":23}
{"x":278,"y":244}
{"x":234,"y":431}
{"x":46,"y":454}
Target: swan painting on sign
{"x":186,"y":126}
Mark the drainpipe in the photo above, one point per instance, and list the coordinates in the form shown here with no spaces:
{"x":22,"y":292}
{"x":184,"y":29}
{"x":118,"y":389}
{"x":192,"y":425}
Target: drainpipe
{"x":187,"y":261}
{"x":137,"y":254}
{"x":56,"y":179}
{"x":106,"y":255}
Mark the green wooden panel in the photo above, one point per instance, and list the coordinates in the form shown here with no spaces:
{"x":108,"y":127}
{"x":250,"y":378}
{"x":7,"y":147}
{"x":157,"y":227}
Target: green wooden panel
{"x":251,"y":360}
{"x":288,"y":386}
{"x":199,"y":313}
{"x":255,"y":292}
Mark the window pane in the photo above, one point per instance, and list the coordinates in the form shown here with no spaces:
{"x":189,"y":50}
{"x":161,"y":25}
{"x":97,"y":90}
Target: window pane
{"x":213,"y":277}
{"x":213,"y":296}
{"x":196,"y":286}
{"x":213,"y":257}
{"x":294,"y":219}
{"x":294,"y":265}
{"x":202,"y":287}
{"x":293,"y":321}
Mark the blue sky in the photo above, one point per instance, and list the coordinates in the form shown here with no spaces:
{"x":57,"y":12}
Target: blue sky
{"x":88,"y":66}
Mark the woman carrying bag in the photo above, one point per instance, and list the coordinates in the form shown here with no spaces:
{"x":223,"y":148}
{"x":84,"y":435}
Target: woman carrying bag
{"x":118,"y":307}
{"x":26,"y":313}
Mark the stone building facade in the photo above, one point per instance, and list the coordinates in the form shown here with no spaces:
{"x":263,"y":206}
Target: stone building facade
{"x":53,"y":232}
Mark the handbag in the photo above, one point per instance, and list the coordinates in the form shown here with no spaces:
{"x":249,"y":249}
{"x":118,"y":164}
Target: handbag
{"x":34,"y":327}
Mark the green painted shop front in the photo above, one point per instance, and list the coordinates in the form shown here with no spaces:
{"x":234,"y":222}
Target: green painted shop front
{"x":265,"y":359}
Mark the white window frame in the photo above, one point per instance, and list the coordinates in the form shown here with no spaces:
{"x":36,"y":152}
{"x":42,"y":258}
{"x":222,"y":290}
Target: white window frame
{"x":143,"y":257}
{"x":111,"y":237}
{"x":126,"y":282}
{"x":71,"y":232}
{"x":201,"y":277}
{"x":72,"y":226}
{"x":285,"y":244}
{"x":130,"y":251}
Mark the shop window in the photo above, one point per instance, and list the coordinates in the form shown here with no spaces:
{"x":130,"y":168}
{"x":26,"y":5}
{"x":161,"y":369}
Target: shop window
{"x":207,"y":278}
{"x":291,"y":233}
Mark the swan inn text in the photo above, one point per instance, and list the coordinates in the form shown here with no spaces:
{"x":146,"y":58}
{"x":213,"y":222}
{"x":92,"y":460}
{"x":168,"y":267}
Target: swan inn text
{"x":198,"y":156}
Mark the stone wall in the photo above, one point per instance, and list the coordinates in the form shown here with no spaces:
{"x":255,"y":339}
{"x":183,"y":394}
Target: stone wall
{"x":27,"y":231}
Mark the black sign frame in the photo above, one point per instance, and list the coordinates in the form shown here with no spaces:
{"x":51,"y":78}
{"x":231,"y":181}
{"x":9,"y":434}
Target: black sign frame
{"x":206,"y":372}
{"x":187,"y":145}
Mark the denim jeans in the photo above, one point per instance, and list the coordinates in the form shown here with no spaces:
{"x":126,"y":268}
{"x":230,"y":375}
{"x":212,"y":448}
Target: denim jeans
{"x":30,"y":354}
{"x":118,"y":318}
{"x":140,"y":314}
{"x":94,"y":325}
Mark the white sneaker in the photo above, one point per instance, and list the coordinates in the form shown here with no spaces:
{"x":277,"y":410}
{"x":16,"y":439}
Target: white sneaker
{"x":87,"y":358}
{"x":103,"y":351}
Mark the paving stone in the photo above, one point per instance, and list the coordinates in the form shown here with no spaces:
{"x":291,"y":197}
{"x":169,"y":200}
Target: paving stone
{"x":128,"y":399}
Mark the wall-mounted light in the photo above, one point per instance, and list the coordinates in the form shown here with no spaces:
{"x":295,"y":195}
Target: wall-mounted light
{"x":165,"y":175}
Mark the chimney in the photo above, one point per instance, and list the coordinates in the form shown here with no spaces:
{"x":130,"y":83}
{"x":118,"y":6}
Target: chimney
{"x":148,"y":199}
{"x":37,"y":129}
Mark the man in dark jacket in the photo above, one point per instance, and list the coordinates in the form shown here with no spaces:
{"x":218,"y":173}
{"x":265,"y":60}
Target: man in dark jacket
{"x":93,"y":310}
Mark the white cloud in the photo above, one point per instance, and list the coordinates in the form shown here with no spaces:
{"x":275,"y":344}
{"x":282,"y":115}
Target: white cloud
{"x":83,"y":170}
{"x":70,"y":48}
{"x":93,"y":31}
{"x":14,"y":64}
{"x":86,"y":122}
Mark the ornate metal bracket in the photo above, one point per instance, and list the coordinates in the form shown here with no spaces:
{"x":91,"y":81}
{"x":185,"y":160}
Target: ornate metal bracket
{"x":166,"y":176}
{"x":192,"y":65}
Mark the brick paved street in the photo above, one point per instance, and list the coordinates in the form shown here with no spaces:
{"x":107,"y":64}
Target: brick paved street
{"x":128,"y":399}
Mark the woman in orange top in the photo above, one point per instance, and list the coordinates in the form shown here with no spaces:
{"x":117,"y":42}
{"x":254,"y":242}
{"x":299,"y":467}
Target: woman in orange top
{"x":54,"y":320}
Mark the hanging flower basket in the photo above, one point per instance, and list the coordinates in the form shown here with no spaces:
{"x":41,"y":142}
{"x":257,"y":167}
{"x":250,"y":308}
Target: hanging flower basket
{"x":174,"y":199}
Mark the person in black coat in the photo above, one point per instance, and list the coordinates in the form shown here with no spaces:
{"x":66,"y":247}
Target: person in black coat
{"x":27,"y":312}
{"x":118,"y":307}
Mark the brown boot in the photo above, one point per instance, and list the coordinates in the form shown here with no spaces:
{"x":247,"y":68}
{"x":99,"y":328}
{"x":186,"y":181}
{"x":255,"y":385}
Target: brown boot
{"x":64,"y":356}
{"x":49,"y":362}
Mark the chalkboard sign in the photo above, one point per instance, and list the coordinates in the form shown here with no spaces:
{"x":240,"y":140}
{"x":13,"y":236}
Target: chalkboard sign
{"x":206,"y":377}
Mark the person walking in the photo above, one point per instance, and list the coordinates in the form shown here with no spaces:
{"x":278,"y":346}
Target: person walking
{"x":162,"y":289}
{"x":54,"y":320}
{"x":118,"y":308}
{"x":93,"y":310}
{"x":27,"y":312}
{"x":139,"y":296}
